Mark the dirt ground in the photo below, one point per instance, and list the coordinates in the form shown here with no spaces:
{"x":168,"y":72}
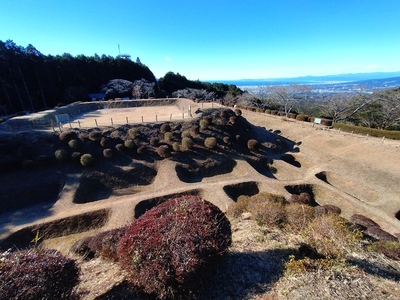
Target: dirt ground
{"x":358,"y":174}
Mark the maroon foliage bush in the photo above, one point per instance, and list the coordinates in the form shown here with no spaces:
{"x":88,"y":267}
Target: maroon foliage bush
{"x":362,"y":221}
{"x":170,"y":248}
{"x":303,"y":198}
{"x":379,"y":234}
{"x":102,"y":245}
{"x":332,"y":209}
{"x":37,"y":274}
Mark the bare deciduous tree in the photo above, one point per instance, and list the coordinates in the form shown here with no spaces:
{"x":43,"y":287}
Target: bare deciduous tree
{"x":289,"y":96}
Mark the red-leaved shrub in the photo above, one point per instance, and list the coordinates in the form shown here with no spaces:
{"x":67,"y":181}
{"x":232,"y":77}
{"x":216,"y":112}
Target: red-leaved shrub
{"x":37,"y":274}
{"x":169,"y":249}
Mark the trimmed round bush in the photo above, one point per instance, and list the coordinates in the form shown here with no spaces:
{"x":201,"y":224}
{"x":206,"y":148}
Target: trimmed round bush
{"x":66,"y":136}
{"x":129,"y":144}
{"x":133,"y":132}
{"x":186,"y":134}
{"x":176,"y":147}
{"x":187,"y":143}
{"x":37,"y":274}
{"x":154,"y":141}
{"x":238,"y":112}
{"x":87,"y":160}
{"x":168,"y":136}
{"x":107,"y":153}
{"x":204,"y":124}
{"x":210,"y":142}
{"x":362,"y":221}
{"x":170,"y":248}
{"x":164,"y":151}
{"x":95,"y":136}
{"x":74,"y":143}
{"x":104,"y":142}
{"x":302,"y":198}
{"x":61,"y":155}
{"x":253,"y":145}
{"x":165,"y":128}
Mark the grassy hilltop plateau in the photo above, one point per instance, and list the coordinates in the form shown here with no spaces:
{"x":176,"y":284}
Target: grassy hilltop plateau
{"x":224,"y":204}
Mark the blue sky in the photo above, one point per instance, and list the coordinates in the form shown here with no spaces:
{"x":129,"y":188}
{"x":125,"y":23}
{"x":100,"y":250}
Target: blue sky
{"x":219,"y":39}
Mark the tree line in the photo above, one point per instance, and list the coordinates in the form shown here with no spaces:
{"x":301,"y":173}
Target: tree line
{"x":31,"y":81}
{"x":379,"y":109}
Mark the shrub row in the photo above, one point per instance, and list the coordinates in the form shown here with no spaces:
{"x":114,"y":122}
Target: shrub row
{"x":389,"y":134}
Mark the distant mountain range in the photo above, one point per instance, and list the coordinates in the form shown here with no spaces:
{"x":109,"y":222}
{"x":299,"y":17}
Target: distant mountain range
{"x":331,"y":83}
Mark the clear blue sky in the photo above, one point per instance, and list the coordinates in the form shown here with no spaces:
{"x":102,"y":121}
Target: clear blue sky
{"x":218,"y":39}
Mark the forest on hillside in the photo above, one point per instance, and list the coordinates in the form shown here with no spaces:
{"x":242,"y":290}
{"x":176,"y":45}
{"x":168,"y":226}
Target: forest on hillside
{"x":31,"y":81}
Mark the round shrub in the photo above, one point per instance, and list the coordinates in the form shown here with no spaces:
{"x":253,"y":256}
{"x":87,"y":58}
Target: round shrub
{"x":303,"y":198}
{"x":61,"y":155}
{"x":165,"y":128}
{"x":362,"y":221}
{"x":154,"y":141}
{"x":170,"y":248}
{"x":253,"y":145}
{"x":164,"y":151}
{"x":238,"y":112}
{"x":74,"y":143}
{"x":232,"y":120}
{"x":133,"y":132}
{"x":95,"y":136}
{"x":210,"y":142}
{"x":187,"y":143}
{"x":227,"y":140}
{"x":168,"y":136}
{"x":332,"y":209}
{"x":176,"y":147}
{"x":107,"y":152}
{"x":87,"y":160}
{"x":66,"y":136}
{"x":37,"y":274}
{"x":186,"y":134}
{"x":203,"y":124}
{"x":239,"y":207}
{"x":129,"y":144}
{"x":104,"y":142}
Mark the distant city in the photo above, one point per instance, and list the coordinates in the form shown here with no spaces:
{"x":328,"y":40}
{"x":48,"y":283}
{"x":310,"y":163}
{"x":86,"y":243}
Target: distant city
{"x":346,"y":83}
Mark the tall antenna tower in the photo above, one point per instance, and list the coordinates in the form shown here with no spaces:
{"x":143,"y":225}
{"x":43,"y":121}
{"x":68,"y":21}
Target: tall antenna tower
{"x":124,"y":56}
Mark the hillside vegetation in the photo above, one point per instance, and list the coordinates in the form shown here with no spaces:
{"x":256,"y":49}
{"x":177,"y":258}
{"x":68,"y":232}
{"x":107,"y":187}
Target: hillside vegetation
{"x":300,"y":227}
